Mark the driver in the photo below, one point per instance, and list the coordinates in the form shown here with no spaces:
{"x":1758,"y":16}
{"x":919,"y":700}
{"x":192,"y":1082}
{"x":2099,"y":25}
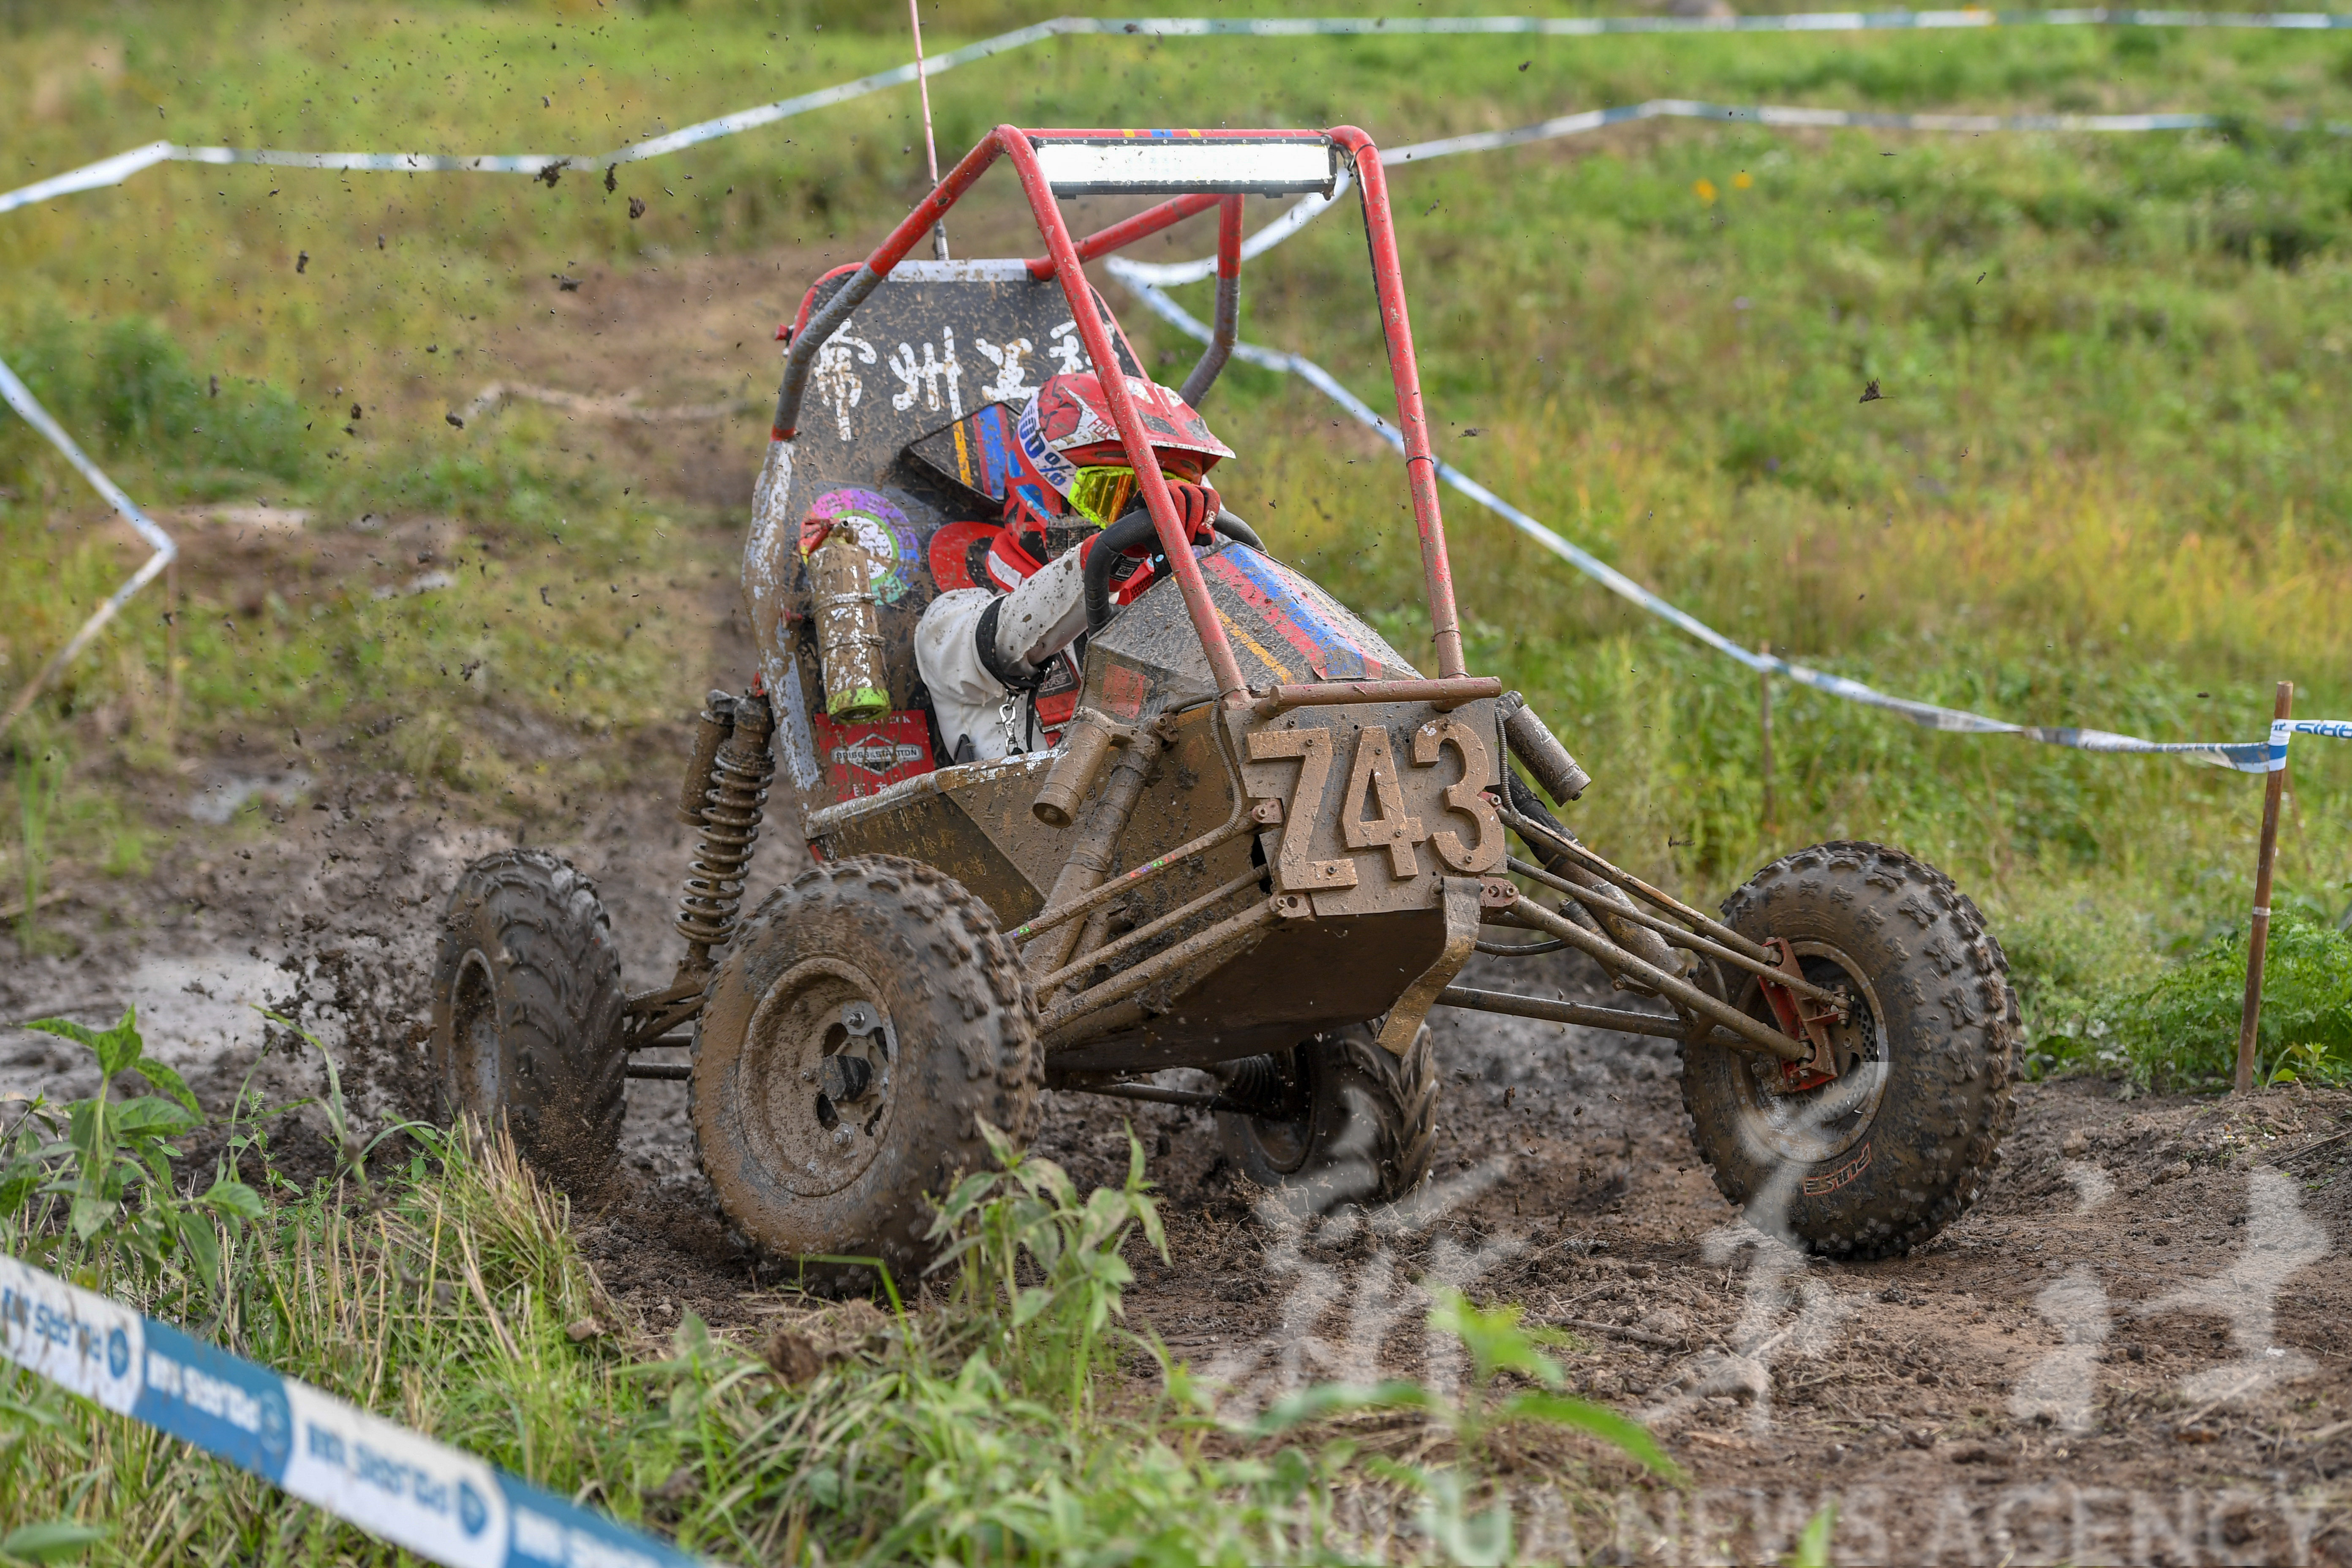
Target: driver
{"x":983,"y":653}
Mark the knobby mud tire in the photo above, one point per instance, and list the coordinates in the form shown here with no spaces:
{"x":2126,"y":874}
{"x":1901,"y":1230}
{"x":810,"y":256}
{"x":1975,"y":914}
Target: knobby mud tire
{"x":1947,"y":1026}
{"x":961,"y":1047}
{"x":1362,"y":1126}
{"x":527,"y":1008}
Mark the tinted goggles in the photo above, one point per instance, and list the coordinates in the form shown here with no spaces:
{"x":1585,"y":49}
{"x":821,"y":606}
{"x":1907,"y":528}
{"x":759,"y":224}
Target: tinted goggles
{"x":1103,"y":495}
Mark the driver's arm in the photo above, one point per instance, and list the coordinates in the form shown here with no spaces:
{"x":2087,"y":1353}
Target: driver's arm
{"x":1037,"y":619}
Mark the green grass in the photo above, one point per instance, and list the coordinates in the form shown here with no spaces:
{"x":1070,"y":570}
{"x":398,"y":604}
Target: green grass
{"x":2178,"y":1028}
{"x":994,"y":1420}
{"x":2102,"y":488}
{"x":2101,"y":484}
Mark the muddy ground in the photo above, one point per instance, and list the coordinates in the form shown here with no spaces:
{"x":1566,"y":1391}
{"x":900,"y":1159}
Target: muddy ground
{"x":1566,"y":1183}
{"x":2134,"y":1349}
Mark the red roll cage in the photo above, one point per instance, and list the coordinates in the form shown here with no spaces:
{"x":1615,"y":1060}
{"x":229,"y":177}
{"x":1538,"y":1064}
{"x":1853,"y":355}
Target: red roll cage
{"x":1065,"y":258}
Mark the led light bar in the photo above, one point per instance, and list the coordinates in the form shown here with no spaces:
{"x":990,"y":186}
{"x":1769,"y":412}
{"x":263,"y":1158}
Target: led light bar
{"x":1148,"y":163}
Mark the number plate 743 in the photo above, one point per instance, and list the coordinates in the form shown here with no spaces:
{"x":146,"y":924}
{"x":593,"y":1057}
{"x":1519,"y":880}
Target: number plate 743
{"x":1437,"y":797}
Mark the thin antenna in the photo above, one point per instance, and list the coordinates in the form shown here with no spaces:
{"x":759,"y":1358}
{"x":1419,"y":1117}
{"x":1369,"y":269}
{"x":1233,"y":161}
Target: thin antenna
{"x":930,"y":142}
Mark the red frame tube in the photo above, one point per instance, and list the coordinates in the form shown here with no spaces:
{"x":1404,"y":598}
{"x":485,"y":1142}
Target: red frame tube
{"x":1413,"y":422}
{"x":1225,"y":327}
{"x":934,"y":207}
{"x":1067,"y":259}
{"x":801,"y":317}
{"x":1154,"y":486}
{"x":1127,"y":231}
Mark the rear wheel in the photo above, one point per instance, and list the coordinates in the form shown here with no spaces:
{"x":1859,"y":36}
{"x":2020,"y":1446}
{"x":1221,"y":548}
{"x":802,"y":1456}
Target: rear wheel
{"x":1350,"y":1123}
{"x":1899,"y":1144}
{"x":864,"y":1024}
{"x":527,"y":1005}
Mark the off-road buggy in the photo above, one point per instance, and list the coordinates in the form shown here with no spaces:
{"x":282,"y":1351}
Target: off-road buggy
{"x":1259,"y":841}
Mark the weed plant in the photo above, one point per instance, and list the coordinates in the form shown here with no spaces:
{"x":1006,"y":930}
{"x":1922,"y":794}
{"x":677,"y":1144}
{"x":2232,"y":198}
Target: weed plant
{"x":996,"y":1420}
{"x":2179,"y":1029}
{"x":40,"y":772}
{"x":1511,"y":1381}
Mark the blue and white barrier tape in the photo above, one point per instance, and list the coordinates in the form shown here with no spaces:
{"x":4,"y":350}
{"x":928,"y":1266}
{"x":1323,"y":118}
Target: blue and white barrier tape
{"x":1146,"y":278}
{"x":1794,"y":22}
{"x":2247,"y":756}
{"x":19,"y":396}
{"x":443,"y":1505}
{"x":121,"y":166}
{"x":115,"y":170}
{"x":1308,"y":209}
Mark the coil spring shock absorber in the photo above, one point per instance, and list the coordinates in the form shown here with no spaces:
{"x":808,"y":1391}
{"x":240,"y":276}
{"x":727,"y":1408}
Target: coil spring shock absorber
{"x":1264,"y":1084}
{"x":733,"y":797}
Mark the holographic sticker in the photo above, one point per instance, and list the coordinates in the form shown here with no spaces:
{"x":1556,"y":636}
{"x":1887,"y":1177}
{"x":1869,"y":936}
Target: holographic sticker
{"x":880,"y":529}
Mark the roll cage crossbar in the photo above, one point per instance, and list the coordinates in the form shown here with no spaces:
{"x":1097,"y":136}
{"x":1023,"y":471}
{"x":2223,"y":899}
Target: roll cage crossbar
{"x":1198,"y":169}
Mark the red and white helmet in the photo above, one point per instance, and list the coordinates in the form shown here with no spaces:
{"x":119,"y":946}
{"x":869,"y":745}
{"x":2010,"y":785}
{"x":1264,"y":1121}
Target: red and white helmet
{"x":1067,"y":427}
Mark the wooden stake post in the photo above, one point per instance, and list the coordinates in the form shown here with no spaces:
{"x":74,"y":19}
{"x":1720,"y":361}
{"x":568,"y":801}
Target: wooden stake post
{"x":1764,"y":690}
{"x":2258,"y":937}
{"x":172,"y":654}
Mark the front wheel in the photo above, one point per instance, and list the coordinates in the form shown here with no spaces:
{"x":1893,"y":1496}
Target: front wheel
{"x":1899,"y":1144}
{"x":527,"y":1004}
{"x":1348,"y":1123}
{"x":862,"y":1026}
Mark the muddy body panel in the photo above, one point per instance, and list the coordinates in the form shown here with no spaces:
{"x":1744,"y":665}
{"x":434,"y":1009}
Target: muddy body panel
{"x":974,"y":821}
{"x":1341,"y":956}
{"x":1380,"y":802}
{"x":942,"y":819}
{"x":1301,"y":978}
{"x":1368,"y":810}
{"x":1376,"y":832}
{"x":1284,"y":629}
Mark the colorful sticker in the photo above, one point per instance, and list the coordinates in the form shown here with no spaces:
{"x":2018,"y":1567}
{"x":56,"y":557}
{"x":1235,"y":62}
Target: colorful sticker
{"x":1286,"y":606}
{"x":984,"y":446}
{"x":879,"y":528}
{"x":1049,"y":465}
{"x":959,"y":554}
{"x":983,"y":454}
{"x":1056,"y":697}
{"x":866,"y":759}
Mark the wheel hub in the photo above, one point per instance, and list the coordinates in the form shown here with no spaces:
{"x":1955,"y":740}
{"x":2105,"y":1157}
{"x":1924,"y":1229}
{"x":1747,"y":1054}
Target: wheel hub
{"x":1824,"y":1117}
{"x":817,"y":1076}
